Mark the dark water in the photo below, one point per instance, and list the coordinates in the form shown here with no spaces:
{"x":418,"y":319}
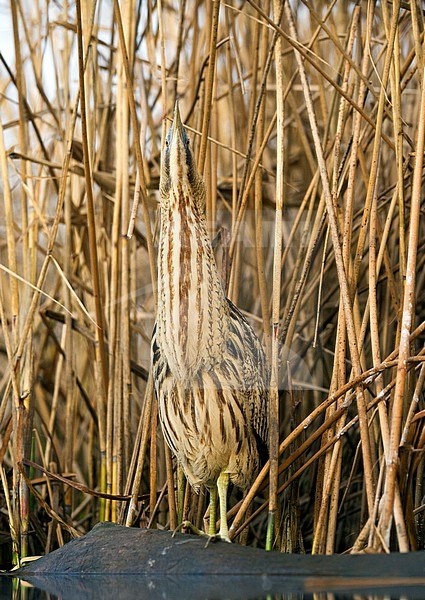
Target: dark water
{"x":120,"y":587}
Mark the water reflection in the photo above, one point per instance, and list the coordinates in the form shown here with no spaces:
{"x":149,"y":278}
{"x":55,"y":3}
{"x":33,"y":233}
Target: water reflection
{"x":122,"y":587}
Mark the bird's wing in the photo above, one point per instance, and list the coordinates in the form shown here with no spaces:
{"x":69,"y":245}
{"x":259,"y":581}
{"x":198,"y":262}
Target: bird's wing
{"x":245,"y":348}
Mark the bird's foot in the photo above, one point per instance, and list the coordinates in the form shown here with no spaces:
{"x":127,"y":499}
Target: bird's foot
{"x":220,"y":536}
{"x":191,"y":527}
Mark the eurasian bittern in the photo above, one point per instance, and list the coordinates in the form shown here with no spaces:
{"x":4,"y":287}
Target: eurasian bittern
{"x":209,"y":366}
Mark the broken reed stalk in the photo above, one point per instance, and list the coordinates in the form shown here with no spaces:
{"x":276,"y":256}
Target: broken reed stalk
{"x":358,"y":121}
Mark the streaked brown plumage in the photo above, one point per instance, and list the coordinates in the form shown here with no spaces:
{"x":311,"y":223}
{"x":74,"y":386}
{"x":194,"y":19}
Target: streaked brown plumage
{"x":209,"y":367}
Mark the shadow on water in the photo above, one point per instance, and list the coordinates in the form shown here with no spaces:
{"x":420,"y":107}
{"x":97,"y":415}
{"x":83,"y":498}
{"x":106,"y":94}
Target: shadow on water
{"x":125,"y":587}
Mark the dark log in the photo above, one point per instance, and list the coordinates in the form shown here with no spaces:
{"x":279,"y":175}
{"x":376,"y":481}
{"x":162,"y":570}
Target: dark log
{"x":116,"y":561}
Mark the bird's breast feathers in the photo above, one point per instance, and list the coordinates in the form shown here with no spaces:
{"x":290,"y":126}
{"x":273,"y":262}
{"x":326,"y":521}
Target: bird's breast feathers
{"x":192,"y":309}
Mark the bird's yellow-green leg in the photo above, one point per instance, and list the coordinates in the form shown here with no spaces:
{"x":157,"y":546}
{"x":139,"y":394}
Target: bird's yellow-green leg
{"x":222,"y":485}
{"x":221,"y":490}
{"x":213,"y":511}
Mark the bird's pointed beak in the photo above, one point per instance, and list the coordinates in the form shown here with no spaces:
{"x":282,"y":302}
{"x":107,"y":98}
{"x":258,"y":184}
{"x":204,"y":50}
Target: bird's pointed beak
{"x":177,"y":126}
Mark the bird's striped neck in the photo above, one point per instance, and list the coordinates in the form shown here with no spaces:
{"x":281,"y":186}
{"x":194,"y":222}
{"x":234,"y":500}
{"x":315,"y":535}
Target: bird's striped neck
{"x":192,"y":308}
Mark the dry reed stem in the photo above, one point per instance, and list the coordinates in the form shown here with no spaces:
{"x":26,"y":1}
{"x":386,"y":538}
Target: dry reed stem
{"x":406,"y":325}
{"x":137,"y":149}
{"x":212,"y":32}
{"x":274,"y":377}
{"x":91,"y":224}
{"x":341,"y":273}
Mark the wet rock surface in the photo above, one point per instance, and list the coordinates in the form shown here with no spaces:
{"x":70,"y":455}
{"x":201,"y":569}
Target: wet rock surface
{"x":152,"y":562}
{"x":111,"y":548}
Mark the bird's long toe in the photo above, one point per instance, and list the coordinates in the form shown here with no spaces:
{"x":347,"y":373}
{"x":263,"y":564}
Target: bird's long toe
{"x":191,"y":527}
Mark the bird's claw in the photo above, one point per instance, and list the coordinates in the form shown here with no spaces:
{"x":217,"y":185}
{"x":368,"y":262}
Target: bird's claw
{"x":188,"y":525}
{"x":223,"y":537}
{"x":217,"y":537}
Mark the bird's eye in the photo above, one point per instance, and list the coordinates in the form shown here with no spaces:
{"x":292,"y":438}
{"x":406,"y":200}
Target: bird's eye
{"x":166,"y":143}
